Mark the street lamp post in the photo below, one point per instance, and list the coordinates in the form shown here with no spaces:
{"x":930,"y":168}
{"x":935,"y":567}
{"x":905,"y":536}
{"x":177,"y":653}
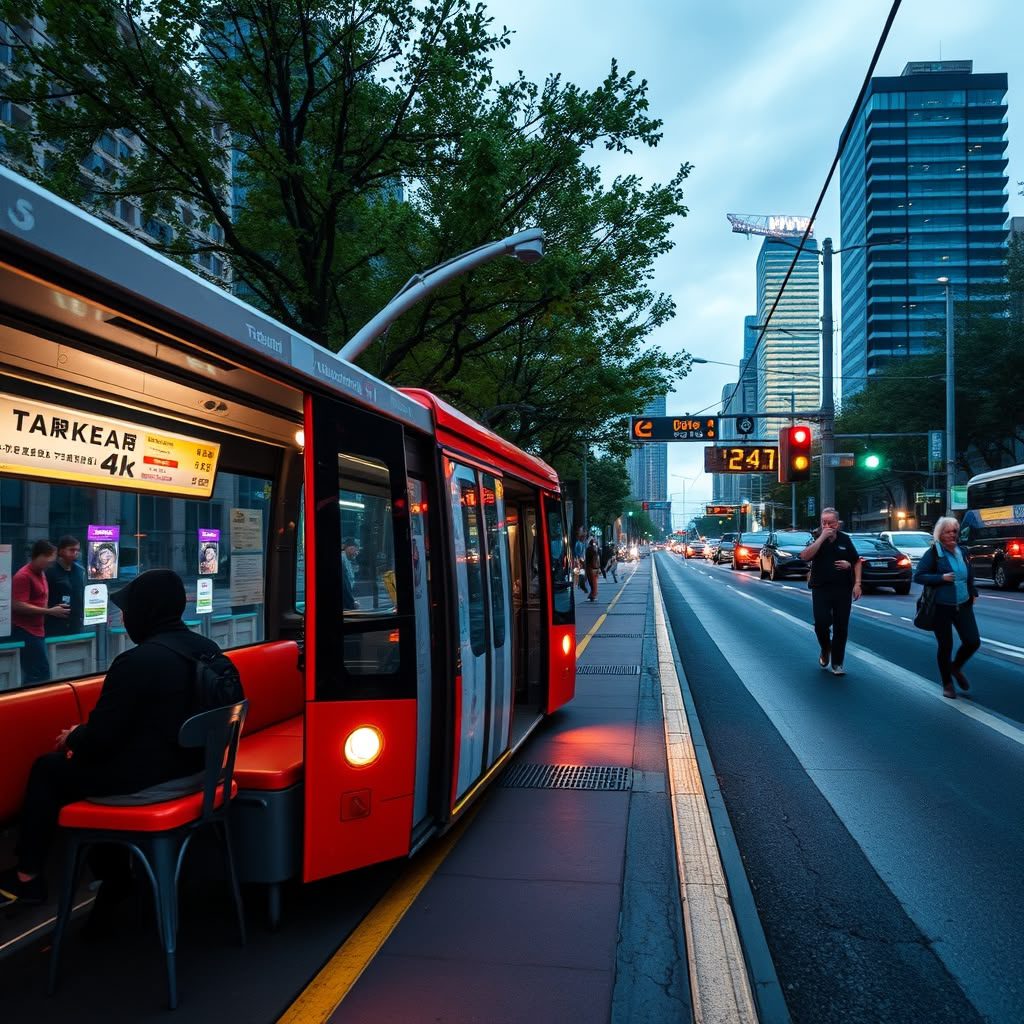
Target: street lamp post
{"x":527,"y":247}
{"x":950,"y":406}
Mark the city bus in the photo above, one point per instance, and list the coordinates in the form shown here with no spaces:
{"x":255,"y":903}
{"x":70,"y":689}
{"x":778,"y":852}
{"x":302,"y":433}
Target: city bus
{"x":392,"y":579}
{"x":992,"y":529}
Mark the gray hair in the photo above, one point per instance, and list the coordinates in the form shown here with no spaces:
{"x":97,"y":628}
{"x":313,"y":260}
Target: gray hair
{"x":941,"y":523}
{"x":829,"y":511}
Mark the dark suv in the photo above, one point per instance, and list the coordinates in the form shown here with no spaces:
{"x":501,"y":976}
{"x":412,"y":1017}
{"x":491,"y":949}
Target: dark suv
{"x":996,"y":553}
{"x":780,"y":554}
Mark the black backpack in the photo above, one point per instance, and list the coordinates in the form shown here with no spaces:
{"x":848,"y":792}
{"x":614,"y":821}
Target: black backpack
{"x":215,"y":679}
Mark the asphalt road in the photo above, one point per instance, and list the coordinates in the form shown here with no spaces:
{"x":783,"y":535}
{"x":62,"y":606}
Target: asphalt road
{"x":880,"y":824}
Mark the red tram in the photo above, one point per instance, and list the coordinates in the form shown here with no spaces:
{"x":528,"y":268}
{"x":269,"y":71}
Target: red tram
{"x":392,"y":579}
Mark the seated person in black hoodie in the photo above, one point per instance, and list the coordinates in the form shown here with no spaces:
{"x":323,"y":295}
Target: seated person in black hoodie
{"x":130,"y":741}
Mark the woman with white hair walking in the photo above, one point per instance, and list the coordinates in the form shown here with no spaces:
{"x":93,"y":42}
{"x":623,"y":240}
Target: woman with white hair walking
{"x":947,"y":567}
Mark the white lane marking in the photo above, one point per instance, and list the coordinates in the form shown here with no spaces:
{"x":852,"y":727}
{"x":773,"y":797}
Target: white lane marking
{"x":905,"y":619}
{"x":877,"y":611}
{"x":749,"y":597}
{"x":1005,"y":647}
{"x":992,"y":719}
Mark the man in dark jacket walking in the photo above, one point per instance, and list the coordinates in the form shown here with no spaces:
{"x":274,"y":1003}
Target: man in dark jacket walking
{"x":835,"y":585}
{"x":130,"y":741}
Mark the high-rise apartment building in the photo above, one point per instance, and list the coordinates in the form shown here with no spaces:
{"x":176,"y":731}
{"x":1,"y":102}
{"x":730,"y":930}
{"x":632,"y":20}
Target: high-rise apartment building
{"x":789,"y":356}
{"x":925,"y":163}
{"x":648,"y":470}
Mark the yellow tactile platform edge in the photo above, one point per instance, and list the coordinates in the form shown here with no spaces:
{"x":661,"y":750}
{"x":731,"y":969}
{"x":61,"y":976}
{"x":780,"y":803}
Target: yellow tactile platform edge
{"x":718,"y":978}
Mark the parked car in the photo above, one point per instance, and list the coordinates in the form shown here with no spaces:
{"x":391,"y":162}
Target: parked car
{"x":780,"y":554}
{"x":882,"y":565}
{"x":913,"y":543}
{"x":724,"y":552}
{"x":996,"y":553}
{"x":747,"y":550}
{"x":694,"y":549}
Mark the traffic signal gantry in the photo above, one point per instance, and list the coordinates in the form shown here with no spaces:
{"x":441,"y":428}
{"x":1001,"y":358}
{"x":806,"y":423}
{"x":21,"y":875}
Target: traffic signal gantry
{"x":794,"y":454}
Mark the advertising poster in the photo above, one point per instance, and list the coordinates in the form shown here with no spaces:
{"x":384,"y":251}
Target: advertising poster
{"x":102,"y":555}
{"x":204,"y":597}
{"x":95,"y":611}
{"x":246,"y":556}
{"x":5,"y":589}
{"x":209,"y":552}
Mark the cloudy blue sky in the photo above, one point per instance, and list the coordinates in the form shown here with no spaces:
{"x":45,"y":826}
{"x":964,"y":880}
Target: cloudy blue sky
{"x":753,"y":93}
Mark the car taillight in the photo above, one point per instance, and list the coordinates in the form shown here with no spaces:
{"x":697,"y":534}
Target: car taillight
{"x":742,"y":551}
{"x":904,"y":561}
{"x":1013,"y":549}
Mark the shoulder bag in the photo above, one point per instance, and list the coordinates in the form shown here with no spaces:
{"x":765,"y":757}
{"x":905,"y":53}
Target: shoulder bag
{"x":925,"y":617}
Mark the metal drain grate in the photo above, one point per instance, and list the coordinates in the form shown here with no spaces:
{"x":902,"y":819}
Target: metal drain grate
{"x":608,"y":670}
{"x":567,"y":776}
{"x":618,"y":636}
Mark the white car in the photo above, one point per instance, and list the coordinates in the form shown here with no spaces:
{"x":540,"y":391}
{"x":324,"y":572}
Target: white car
{"x":913,"y":543}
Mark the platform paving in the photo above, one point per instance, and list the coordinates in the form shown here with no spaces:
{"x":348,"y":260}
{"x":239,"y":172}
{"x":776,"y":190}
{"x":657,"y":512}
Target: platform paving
{"x":556,"y":904}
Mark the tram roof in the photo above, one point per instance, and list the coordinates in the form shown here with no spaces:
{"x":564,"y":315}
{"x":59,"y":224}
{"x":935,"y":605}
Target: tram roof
{"x":52,"y":238}
{"x":457,"y":431}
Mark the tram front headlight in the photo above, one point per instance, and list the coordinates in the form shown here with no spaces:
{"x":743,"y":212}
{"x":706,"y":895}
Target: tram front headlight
{"x":363,"y":746}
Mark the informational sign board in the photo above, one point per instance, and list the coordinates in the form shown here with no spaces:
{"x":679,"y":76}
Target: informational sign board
{"x":936,"y":449}
{"x":103,"y":552}
{"x":55,"y":442}
{"x":209,"y":552}
{"x":204,"y":597}
{"x":673,"y":428}
{"x":812,"y":506}
{"x":95,"y":609}
{"x":247,"y":557}
{"x":722,"y":510}
{"x":742,"y":458}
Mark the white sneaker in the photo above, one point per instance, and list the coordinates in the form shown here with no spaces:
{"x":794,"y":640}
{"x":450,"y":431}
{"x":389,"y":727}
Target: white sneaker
{"x":838,"y":670}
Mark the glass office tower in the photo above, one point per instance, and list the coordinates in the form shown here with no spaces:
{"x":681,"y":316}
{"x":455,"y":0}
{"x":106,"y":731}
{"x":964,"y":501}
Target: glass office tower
{"x":648,"y":471}
{"x":926,"y":163}
{"x":789,"y":358}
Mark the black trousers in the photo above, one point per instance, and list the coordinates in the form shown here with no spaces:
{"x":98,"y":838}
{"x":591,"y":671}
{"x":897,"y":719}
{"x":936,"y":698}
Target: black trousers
{"x":962,"y":618}
{"x":52,"y":783}
{"x":832,"y":604}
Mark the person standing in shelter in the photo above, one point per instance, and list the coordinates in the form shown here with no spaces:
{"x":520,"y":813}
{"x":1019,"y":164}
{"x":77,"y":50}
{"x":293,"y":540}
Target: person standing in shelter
{"x":130,"y":741}
{"x":835,"y":585}
{"x":349,"y":554}
{"x":30,"y":610}
{"x":946,"y":566}
{"x":592,"y":565}
{"x":66,"y":580}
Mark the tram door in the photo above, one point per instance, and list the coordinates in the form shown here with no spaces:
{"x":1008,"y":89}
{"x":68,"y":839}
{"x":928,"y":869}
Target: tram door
{"x":484,"y":690}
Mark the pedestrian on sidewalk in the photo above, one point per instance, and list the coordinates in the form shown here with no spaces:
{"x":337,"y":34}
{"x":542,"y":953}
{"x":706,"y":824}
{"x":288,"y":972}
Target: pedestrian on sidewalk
{"x":592,"y":564}
{"x":946,"y":566}
{"x":579,"y":551}
{"x":835,"y":585}
{"x":610,"y":561}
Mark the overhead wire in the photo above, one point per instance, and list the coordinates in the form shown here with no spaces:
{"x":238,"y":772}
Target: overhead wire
{"x":821,"y":198}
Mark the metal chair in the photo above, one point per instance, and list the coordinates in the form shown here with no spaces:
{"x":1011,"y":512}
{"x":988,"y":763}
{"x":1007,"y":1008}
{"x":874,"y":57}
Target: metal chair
{"x":158,"y":829}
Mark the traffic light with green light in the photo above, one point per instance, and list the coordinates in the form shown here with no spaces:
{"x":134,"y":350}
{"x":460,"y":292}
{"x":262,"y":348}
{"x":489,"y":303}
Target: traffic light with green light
{"x":870,"y":460}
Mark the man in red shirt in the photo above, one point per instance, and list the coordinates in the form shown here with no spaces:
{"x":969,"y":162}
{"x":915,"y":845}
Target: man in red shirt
{"x":29,"y":599}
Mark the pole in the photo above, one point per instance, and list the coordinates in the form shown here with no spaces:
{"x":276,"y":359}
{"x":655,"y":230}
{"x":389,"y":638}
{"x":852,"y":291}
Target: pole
{"x":828,"y":407}
{"x":792,"y":487}
{"x":950,"y":408}
{"x":586,"y":505}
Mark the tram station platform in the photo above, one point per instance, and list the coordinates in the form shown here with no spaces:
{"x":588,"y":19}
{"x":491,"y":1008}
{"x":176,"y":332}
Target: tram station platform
{"x":561,"y":901}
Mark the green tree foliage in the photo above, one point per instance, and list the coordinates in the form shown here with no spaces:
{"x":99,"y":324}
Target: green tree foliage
{"x":607,"y":489}
{"x":292,"y":126}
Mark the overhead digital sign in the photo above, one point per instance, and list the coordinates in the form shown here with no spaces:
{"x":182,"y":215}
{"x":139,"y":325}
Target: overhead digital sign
{"x":52,"y":442}
{"x":742,"y":458}
{"x":673,"y":428}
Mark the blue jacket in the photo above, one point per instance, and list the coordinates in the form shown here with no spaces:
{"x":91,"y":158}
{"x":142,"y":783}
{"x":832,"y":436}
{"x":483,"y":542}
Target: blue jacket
{"x":934,"y":564}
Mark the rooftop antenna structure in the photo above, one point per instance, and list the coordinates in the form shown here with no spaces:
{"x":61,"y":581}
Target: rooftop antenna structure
{"x":777,"y":225}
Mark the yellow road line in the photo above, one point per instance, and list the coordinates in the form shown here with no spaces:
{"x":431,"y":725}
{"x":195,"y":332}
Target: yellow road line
{"x":582,"y":645}
{"x":324,"y":993}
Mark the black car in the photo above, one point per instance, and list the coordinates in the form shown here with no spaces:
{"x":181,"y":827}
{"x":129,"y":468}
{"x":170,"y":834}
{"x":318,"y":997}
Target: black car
{"x":881,"y":564}
{"x":724,"y":551}
{"x":996,"y":553}
{"x":780,"y":555}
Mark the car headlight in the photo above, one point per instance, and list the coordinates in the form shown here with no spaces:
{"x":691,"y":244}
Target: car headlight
{"x":783,"y":556}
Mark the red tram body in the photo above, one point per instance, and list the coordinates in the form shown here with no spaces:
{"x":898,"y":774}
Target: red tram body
{"x":393,"y":582}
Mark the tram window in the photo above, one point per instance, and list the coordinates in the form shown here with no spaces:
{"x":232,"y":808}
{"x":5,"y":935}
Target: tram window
{"x":497,"y":552}
{"x":561,"y":571}
{"x":367,"y":538}
{"x":469,"y":571}
{"x":142,"y":531}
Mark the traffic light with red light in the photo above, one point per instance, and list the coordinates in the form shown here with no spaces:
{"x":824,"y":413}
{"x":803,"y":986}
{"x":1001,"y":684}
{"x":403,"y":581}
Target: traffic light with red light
{"x":794,"y":454}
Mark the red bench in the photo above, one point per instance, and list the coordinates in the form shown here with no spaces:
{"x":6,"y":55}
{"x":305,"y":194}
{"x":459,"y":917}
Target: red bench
{"x":268,"y":770}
